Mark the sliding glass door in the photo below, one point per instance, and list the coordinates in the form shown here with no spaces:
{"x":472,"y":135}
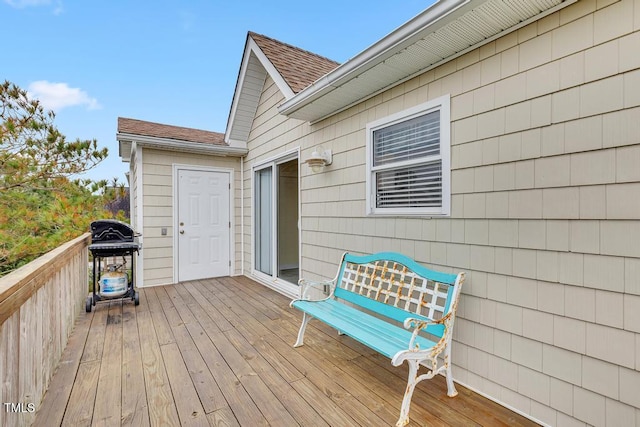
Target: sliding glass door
{"x":276,"y":240}
{"x":287,"y":221}
{"x":264,"y":210}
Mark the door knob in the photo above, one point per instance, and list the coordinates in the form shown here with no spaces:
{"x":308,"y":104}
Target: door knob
{"x":181,"y":231}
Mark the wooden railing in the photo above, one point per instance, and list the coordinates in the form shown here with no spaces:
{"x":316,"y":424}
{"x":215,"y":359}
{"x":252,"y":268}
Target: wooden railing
{"x":39,"y":304}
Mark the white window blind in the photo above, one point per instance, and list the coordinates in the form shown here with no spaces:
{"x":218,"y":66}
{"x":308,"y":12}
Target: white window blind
{"x":408,"y":161}
{"x":416,"y":186}
{"x":418,"y":137}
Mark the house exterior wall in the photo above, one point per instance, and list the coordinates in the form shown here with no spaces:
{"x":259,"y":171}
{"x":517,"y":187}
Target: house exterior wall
{"x":157,"y":178}
{"x":271,"y":135}
{"x":133,"y":189}
{"x":545,"y":214}
{"x":135,"y":212}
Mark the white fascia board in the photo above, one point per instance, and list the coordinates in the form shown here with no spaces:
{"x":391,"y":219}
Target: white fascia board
{"x":252,"y":47}
{"x":236,"y":94}
{"x":271,"y":69}
{"x":183,"y":146}
{"x":373,"y":55}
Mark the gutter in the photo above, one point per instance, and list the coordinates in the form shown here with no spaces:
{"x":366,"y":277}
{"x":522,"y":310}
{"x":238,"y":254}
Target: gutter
{"x":371,"y":56}
{"x":182,"y":146}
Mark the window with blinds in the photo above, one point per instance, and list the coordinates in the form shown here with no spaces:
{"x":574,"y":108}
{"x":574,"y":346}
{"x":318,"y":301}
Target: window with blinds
{"x":408,"y":161}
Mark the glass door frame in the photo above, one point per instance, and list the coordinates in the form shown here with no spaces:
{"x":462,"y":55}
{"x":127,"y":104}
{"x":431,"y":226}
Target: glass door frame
{"x":273,"y":281}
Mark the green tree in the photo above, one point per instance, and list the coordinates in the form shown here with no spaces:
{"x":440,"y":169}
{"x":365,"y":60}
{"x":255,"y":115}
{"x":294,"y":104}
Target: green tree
{"x":41,"y":204}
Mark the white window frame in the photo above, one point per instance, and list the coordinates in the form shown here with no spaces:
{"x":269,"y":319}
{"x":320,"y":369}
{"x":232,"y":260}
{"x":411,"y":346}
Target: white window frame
{"x":443,"y":105}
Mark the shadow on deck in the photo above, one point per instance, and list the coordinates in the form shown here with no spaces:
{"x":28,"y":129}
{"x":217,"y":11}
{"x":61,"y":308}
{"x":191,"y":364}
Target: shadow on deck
{"x":219,"y":352}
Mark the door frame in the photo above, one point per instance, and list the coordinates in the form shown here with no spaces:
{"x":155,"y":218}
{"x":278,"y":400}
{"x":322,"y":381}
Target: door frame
{"x":276,"y":283}
{"x":177,"y":167}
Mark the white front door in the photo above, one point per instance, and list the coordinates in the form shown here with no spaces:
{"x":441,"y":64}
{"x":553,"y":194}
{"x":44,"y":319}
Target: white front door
{"x":203,"y":224}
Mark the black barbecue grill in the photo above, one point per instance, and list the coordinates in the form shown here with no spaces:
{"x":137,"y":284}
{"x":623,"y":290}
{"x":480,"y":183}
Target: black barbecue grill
{"x":112,"y":242}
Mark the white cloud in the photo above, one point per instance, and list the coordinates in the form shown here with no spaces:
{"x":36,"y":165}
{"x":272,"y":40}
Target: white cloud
{"x":26,"y":3}
{"x":20,"y":4}
{"x":56,"y":96}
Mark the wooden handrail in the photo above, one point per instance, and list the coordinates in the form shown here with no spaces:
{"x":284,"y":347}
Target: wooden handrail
{"x":20,"y":285}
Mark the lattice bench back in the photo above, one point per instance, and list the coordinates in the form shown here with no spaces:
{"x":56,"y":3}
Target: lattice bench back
{"x":397,"y":287}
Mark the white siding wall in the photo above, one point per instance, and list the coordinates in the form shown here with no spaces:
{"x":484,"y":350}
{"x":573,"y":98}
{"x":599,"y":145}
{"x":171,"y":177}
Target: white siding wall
{"x":158,"y":209}
{"x":545,"y":209}
{"x":133,"y":189}
{"x":270,"y":136}
{"x":134,"y":186}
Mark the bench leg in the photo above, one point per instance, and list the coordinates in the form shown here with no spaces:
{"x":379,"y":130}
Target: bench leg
{"x":451,"y":388}
{"x":340,"y":333}
{"x":305,"y":320}
{"x":411,"y":385}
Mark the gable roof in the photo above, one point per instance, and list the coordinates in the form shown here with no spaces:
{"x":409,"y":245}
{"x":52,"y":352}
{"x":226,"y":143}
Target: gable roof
{"x":298,"y":67}
{"x":291,"y":68}
{"x":159,"y":130}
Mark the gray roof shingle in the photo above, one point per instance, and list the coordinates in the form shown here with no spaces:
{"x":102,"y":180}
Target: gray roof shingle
{"x":298,"y":67}
{"x":158,"y":130}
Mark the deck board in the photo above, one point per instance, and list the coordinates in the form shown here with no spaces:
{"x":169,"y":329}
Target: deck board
{"x":135,"y":411}
{"x":160,"y":399}
{"x":162,"y":328}
{"x":108,"y":406}
{"x":242,"y":406}
{"x":219,"y":352}
{"x":79,"y":410}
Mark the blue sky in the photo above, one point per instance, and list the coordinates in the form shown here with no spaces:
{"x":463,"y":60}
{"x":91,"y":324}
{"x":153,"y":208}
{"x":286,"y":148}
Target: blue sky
{"x":173,"y":62}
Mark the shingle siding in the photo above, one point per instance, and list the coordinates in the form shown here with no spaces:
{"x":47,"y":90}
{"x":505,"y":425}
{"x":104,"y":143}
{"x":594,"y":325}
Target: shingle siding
{"x":544,"y":218}
{"x":157,"y":206}
{"x":271,"y":134}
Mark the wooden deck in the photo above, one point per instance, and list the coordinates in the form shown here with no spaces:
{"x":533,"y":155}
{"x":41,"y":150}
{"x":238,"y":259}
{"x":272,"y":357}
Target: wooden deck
{"x":219,"y":352}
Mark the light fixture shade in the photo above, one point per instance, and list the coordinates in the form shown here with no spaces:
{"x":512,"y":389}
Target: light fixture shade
{"x":318,"y":159}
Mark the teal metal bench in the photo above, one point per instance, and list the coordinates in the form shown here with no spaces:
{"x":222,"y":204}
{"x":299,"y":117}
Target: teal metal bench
{"x":393,"y":305}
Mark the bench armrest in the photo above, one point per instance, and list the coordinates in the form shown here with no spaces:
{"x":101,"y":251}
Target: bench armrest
{"x":307,"y":285}
{"x":420,"y":324}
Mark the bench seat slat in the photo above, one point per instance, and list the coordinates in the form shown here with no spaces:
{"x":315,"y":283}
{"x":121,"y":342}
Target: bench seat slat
{"x":350,"y":317}
{"x":375,"y":333}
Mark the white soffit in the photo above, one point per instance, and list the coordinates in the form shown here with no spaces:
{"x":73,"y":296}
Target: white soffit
{"x":246,"y":101}
{"x":253,"y":73}
{"x":448,"y":29}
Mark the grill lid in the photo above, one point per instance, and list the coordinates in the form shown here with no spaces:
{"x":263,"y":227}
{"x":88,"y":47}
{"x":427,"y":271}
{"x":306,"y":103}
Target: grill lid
{"x":111,"y":231}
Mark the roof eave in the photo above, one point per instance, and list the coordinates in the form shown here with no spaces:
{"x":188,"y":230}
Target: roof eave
{"x":432,"y":19}
{"x":181,"y":146}
{"x":371,"y":56}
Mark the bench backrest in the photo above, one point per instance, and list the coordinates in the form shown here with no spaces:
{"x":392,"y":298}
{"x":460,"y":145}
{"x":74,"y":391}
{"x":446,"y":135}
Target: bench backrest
{"x":397,"y":287}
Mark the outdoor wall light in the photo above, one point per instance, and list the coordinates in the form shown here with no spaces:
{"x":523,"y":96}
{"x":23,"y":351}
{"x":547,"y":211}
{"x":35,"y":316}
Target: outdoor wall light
{"x":319,"y":159}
